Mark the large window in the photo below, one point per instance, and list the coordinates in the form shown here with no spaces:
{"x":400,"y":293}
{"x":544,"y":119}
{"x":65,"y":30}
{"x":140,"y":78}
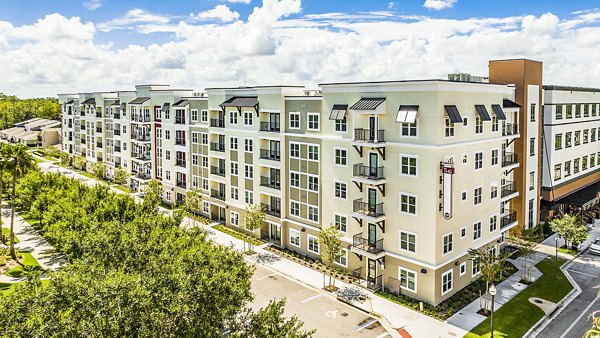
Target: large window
{"x":313,"y":121}
{"x":447,"y":282}
{"x":313,"y":152}
{"x":494,"y":156}
{"x":294,"y":150}
{"x":294,"y":179}
{"x":408,"y":241}
{"x":313,"y":183}
{"x":585,"y":136}
{"x":313,"y":244}
{"x":577,"y":138}
{"x":408,"y":204}
{"x":478,"y":160}
{"x":408,"y":279}
{"x":558,"y":112}
{"x":408,"y":129}
{"x":294,"y":208}
{"x":532,"y":113}
{"x":294,"y":120}
{"x":313,"y":213}
{"x":447,"y":244}
{"x":531,"y":180}
{"x":476,"y":231}
{"x":557,"y":172}
{"x":248,"y":118}
{"x":449,"y":128}
{"x":295,"y":237}
{"x":532,"y":146}
{"x":341,"y":156}
{"x":341,"y":190}
{"x":234,"y":168}
{"x":493,"y":223}
{"x":233,"y":117}
{"x":234,"y":218}
{"x":569,"y":111}
{"x":341,"y":125}
{"x":342,"y":259}
{"x":408,"y":165}
{"x":341,"y":222}
{"x":477,"y":194}
{"x":567,"y":168}
{"x":478,"y":125}
{"x":494,"y":123}
{"x":568,"y":140}
{"x":475,"y":268}
{"x":575,"y":166}
{"x":557,"y":141}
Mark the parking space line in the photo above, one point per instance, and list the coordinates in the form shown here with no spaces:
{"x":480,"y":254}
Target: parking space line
{"x":311,"y":298}
{"x":373,"y":320}
{"x":383,"y":335}
{"x":267,"y":276}
{"x":578,"y":318}
{"x":583,"y":273}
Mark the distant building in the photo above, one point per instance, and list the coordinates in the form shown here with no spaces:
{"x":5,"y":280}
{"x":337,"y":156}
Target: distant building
{"x":30,"y":132}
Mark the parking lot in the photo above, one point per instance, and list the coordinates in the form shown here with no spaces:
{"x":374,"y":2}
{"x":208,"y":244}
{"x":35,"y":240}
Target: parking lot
{"x":328,"y":316}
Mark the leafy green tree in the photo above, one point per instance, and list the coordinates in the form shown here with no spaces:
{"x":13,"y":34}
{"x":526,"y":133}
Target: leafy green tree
{"x":99,"y":170}
{"x":269,"y":322}
{"x":330,"y":241}
{"x":525,"y":242}
{"x":5,"y":157}
{"x":78,"y":162}
{"x":65,"y":159}
{"x":153,"y":192}
{"x":21,"y":162}
{"x":14,"y":110}
{"x":120,"y":176}
{"x":571,"y":228}
{"x":193,"y":205}
{"x":594,"y":331}
{"x":254,"y":217}
{"x":492,"y":267}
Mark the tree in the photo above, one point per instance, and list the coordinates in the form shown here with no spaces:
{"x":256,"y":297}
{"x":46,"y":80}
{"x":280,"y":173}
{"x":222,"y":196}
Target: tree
{"x":193,"y":204}
{"x":594,"y":331}
{"x":153,"y":192}
{"x":65,"y":159}
{"x":526,"y":242}
{"x":571,"y":228}
{"x":21,"y":162}
{"x":491,"y":265}
{"x":330,"y":240}
{"x":120,"y":176}
{"x":253,"y":219}
{"x":269,"y":322}
{"x":78,"y":161}
{"x":5,"y":155}
{"x":99,"y":170}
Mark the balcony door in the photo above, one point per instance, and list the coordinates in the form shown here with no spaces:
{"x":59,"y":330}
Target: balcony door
{"x":372,"y":200}
{"x":274,"y":119}
{"x":373,"y":164}
{"x":372,"y":128}
{"x":372,"y":235}
{"x":274,"y":176}
{"x":274,"y":147}
{"x":371,"y":269}
{"x":275,"y":232}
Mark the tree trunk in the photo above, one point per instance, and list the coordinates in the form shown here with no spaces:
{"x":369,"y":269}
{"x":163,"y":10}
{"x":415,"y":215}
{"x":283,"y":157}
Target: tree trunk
{"x":12,"y":219}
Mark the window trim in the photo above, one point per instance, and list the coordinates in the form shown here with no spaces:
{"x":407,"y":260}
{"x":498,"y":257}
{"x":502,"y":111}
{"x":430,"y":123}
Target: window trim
{"x":416,"y":196}
{"x":290,"y":120}
{"x":449,"y":272}
{"x":400,"y":269}
{"x":344,"y":255}
{"x":308,"y":238}
{"x":299,"y":237}
{"x":335,"y":182}
{"x":416,"y":157}
{"x":308,"y":116}
{"x":335,"y":149}
{"x":400,"y":231}
{"x":461,"y":273}
{"x":451,"y":233}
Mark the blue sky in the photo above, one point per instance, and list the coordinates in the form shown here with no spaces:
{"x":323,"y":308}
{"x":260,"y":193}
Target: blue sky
{"x":48,"y":46}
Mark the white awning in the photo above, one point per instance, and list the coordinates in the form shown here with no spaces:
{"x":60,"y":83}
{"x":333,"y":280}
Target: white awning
{"x":407,"y":114}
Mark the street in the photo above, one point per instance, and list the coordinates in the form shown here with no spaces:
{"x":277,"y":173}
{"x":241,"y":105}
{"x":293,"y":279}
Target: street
{"x":574,"y":320}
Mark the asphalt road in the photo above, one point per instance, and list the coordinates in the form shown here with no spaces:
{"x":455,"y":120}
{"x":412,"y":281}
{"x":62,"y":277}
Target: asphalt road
{"x":574,"y":320}
{"x":328,"y":316}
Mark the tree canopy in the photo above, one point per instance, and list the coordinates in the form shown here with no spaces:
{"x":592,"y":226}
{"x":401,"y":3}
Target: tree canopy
{"x":14,"y":110}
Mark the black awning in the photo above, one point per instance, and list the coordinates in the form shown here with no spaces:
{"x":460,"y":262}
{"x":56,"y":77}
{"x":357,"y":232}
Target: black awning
{"x":483,"y":113}
{"x":69,"y":102}
{"x":181,"y":103}
{"x":165,"y":107}
{"x":584,"y":197}
{"x":407,"y":113}
{"x":116,"y":103}
{"x":338,"y":112}
{"x":368,"y":103}
{"x":91,"y":102}
{"x":506,"y":103}
{"x":499,"y":112}
{"x":239,"y":101}
{"x":453,"y":114}
{"x":139,"y":100}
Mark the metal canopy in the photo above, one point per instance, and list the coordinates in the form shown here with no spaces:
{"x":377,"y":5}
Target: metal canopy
{"x":69,"y":102}
{"x":165,"y":107}
{"x":407,"y":114}
{"x":453,"y":114}
{"x":241,"y":101}
{"x":338,"y":112}
{"x":499,"y":112}
{"x":181,"y":103}
{"x":139,"y":100}
{"x":116,"y":103}
{"x":91,"y":102}
{"x":506,"y":103}
{"x":368,"y":103}
{"x":483,"y":113}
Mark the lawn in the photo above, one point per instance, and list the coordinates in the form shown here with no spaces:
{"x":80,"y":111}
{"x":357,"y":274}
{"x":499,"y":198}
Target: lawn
{"x":6,"y":288}
{"x":6,"y":232}
{"x":38,"y":160}
{"x":518,"y":315}
{"x":567,"y":251}
{"x":27,"y":260}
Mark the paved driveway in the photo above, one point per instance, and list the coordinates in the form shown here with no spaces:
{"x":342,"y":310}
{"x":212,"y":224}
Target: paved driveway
{"x":318,"y":311}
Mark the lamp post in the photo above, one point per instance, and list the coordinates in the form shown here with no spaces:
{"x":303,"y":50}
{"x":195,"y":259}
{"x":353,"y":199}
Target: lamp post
{"x":493,"y":294}
{"x":556,"y":247}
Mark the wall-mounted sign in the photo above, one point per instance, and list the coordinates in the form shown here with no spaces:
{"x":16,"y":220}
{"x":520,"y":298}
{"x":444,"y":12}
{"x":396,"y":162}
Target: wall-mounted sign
{"x":447,"y":172}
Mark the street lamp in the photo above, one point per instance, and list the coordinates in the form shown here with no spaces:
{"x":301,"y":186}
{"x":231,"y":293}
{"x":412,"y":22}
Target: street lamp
{"x":493,"y":294}
{"x":556,"y":247}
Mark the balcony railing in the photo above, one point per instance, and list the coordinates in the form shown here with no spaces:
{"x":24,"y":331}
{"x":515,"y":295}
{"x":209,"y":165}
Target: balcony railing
{"x":216,"y":146}
{"x":117,"y":149}
{"x":98,"y":129}
{"x":140,"y":118}
{"x":270,"y":154}
{"x":98,"y":145}
{"x":141,"y":156}
{"x":217,"y":194}
{"x":220,"y":171}
{"x":70,"y":125}
{"x":270,"y":126}
{"x":272,"y":210}
{"x":180,"y":141}
{"x":117,"y":132}
{"x":70,"y":138}
{"x":369,"y":135}
{"x":180,"y":183}
{"x":142,"y":175}
{"x":179,"y":120}
{"x":140,"y":137}
{"x":180,"y":163}
{"x":83,"y":141}
{"x":219,"y":123}
{"x":270,"y":182}
{"x":371,"y":283}
{"x":510,"y":129}
{"x":508,"y":189}
{"x":509,"y":218}
{"x":365,"y":171}
{"x":83,"y":127}
{"x":98,"y":114}
{"x":116,"y":116}
{"x":82,"y":113}
{"x":366,"y":244}
{"x":509,"y":159}
{"x":367,"y":209}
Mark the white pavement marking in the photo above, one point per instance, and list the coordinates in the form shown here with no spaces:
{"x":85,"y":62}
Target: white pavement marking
{"x":582,"y":273}
{"x":332,"y":313}
{"x":366,"y":324}
{"x":311,"y":298}
{"x":267,"y":276}
{"x":383,"y":335}
{"x":578,"y":318}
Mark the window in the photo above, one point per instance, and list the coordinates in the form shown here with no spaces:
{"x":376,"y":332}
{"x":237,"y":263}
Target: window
{"x":531,"y":180}
{"x":584,"y":162}
{"x":575,"y":166}
{"x":234,"y":193}
{"x":167,"y":155}
{"x":194,"y":115}
{"x":294,"y":208}
{"x":341,"y":190}
{"x":446,"y":282}
{"x":235,"y":218}
{"x":558,"y":113}
{"x":494,"y":123}
{"x":204,"y":138}
{"x":313,"y":121}
{"x":475,"y":268}
{"x":233,"y":117}
{"x":295,"y":237}
{"x":449,"y":128}
{"x":557,"y":171}
{"x":205,"y":206}
{"x":248,"y":171}
{"x":477,"y":196}
{"x":313,"y":244}
{"x":204,"y":116}
{"x":586,"y":110}
{"x":577,"y":110}
{"x":463,"y":232}
{"x":447,"y":243}
{"x":478,"y":125}
{"x":569,"y":111}
{"x":233,"y":142}
{"x":493,"y":223}
{"x":463,"y":195}
{"x":557,"y":141}
{"x":495,"y":157}
{"x":408,"y":241}
{"x":530,"y":219}
{"x":194,"y":137}
{"x":204,"y":184}
{"x":462,"y":269}
{"x":408,"y":129}
{"x":408,"y":165}
{"x":248,"y":120}
{"x":157,"y":113}
{"x":313,"y":152}
{"x":294,"y":120}
{"x":592,"y":160}
{"x":168,"y":175}
{"x":195,"y":159}
{"x":568,"y":140}
{"x":532,"y":112}
{"x":408,"y":204}
{"x":465,"y":158}
{"x":585,"y":136}
{"x":342,"y":259}
{"x":341,"y":222}
{"x":248,"y":146}
{"x":478,"y":160}
{"x":408,"y":279}
{"x":234,"y":168}
{"x":476,"y":231}
{"x":341,"y":125}
{"x":294,"y":179}
{"x":195,"y":181}
{"x":294,"y":150}
{"x":168,"y":195}
{"x":493,"y":190}
{"x":532,"y":146}
{"x":593,"y":135}
{"x":577,"y":138}
{"x":594,"y":110}
{"x":313,"y":183}
{"x":249,"y":195}
{"x":465,"y":122}
{"x":341,"y":157}
{"x":205,"y":161}
{"x":567,"y":168}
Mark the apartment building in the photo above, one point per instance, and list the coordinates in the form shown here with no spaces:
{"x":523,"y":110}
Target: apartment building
{"x":571,"y":149}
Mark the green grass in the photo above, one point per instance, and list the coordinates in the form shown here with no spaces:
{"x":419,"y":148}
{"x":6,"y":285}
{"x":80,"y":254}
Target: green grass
{"x":27,"y":260}
{"x":7,"y":288}
{"x":38,"y":160}
{"x":518,"y":315}
{"x":6,"y":232}
{"x":122,"y":188}
{"x":86,"y":174}
{"x":238,"y":235}
{"x":567,"y":251}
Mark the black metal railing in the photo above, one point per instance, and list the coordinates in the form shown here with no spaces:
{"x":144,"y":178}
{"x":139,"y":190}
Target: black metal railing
{"x":117,"y":132}
{"x":179,"y":120}
{"x":142,"y":175}
{"x":180,"y":183}
{"x":509,"y":159}
{"x":180,"y":141}
{"x":98,"y":129}
{"x":508,"y":188}
{"x":180,"y":162}
{"x":369,"y":135}
{"x":510,"y":129}
{"x":371,"y":283}
{"x":220,"y":171}
{"x":82,"y":127}
{"x":141,"y":156}
{"x":116,"y":116}
{"x":217,"y":194}
{"x":219,"y":123}
{"x":365,"y":171}
{"x":272,"y":210}
{"x":508,"y":219}
{"x":98,"y":145}
{"x":117,"y":149}
{"x":367,"y":209}
{"x":216,"y":146}
{"x":270,"y":182}
{"x":83,"y":141}
{"x":270,"y":154}
{"x":366,"y":244}
{"x":98,"y":114}
{"x":270,"y":126}
{"x":140,"y":137}
{"x":140,"y":118}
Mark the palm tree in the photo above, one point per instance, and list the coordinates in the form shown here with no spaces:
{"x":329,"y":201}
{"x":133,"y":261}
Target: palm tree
{"x":5,"y":150}
{"x":21,"y":162}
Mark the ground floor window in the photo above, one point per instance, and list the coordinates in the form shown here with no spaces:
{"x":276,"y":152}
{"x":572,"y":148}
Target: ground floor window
{"x":295,"y":237}
{"x":313,"y":244}
{"x":447,"y":282}
{"x":343,"y":259}
{"x":408,"y":279}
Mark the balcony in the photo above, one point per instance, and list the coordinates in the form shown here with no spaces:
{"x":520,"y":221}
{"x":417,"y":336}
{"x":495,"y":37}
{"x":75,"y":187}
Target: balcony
{"x":218,"y":123}
{"x":371,"y":283}
{"x":508,"y":189}
{"x":509,"y":159}
{"x":140,"y":118}
{"x":270,"y":126}
{"x":117,"y":132}
{"x":179,"y":141}
{"x":217,"y":194}
{"x":117,"y":149}
{"x":141,"y":156}
{"x":366,"y":247}
{"x":270,"y":182}
{"x":369,"y":135}
{"x":140,"y":137}
{"x":180,"y":184}
{"x":510,"y":129}
{"x":180,"y":163}
{"x":179,"y":120}
{"x":116,"y":116}
{"x":98,"y":114}
{"x":142,"y":175}
{"x":365,"y":172}
{"x":509,"y":219}
{"x":98,"y":129}
{"x":216,"y":146}
{"x":219,"y":171}
{"x":272,"y":210}
{"x":70,"y":125}
{"x":268,"y":154}
{"x":371,"y":212}
{"x":83,"y":141}
{"x":70,"y":138}
{"x":82,"y":113}
{"x":98,"y":145}
{"x":82,"y":127}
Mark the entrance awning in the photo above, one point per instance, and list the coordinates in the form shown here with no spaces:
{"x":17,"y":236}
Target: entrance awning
{"x":506,"y":103}
{"x":338,"y":112}
{"x":499,"y":112}
{"x":584,"y":198}
{"x":483,"y":113}
{"x":453,"y":114}
{"x":407,"y":114}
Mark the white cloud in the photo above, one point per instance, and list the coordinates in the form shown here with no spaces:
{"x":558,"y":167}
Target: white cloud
{"x":439,"y":4}
{"x":92,"y":5}
{"x":391,"y":5}
{"x":134,"y":18}
{"x":238,"y":1}
{"x":220,"y":12}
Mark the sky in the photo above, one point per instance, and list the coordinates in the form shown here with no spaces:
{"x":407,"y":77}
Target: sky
{"x":59,"y":46}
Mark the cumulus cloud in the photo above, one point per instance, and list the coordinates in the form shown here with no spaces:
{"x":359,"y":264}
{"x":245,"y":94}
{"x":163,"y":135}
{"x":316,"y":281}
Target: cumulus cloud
{"x":277,"y":44}
{"x":220,"y":12}
{"x":439,"y":4}
{"x":92,"y":5}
